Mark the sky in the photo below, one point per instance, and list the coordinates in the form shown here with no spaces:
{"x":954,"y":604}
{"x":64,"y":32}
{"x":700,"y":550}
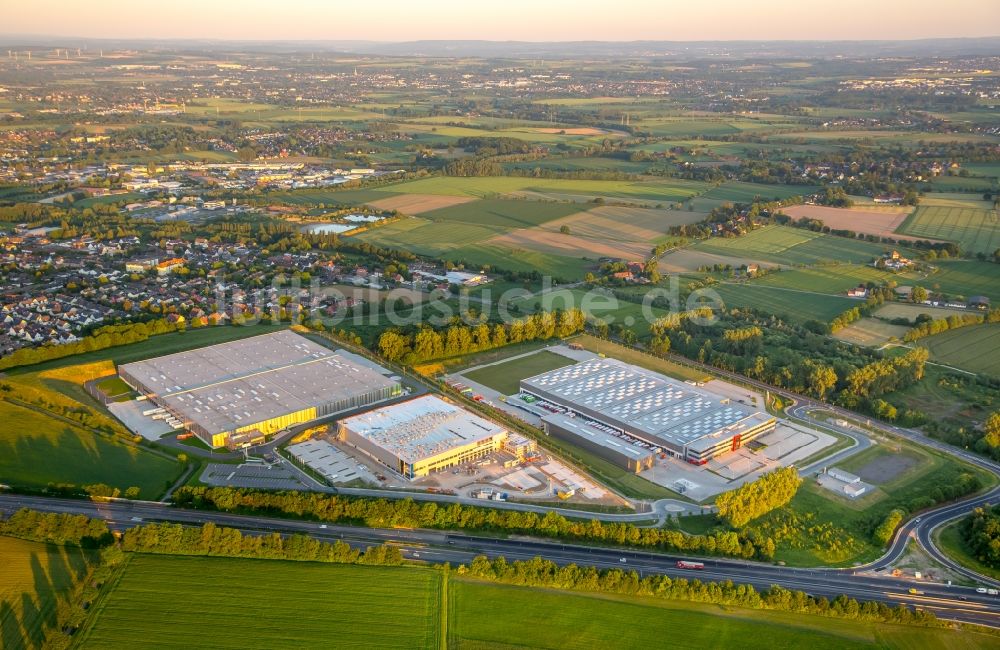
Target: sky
{"x":524,"y":20}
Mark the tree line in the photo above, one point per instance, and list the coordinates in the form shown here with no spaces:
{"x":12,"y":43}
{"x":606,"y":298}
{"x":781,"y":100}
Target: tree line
{"x":955,"y":321}
{"x":539,"y":572}
{"x":751,"y":500}
{"x":175,"y":539}
{"x":102,"y":338}
{"x":383,"y":513}
{"x":426,"y":343}
{"x":57,"y":528}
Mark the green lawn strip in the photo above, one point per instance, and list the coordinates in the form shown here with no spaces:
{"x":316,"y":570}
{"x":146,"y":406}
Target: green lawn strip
{"x":641,"y":359}
{"x":949,"y":540}
{"x":505,"y":377}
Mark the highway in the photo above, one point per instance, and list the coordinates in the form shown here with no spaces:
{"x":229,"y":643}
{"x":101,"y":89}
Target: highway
{"x":956,"y":603}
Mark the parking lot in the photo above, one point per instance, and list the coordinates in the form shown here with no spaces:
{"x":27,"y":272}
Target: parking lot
{"x":788,"y":444}
{"x":253,"y":475}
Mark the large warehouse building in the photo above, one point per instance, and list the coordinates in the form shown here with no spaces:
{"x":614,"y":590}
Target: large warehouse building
{"x":629,"y":414}
{"x":240,"y":392}
{"x":422,"y":435}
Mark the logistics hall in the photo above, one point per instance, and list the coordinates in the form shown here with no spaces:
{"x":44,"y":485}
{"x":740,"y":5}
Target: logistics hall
{"x":628,"y":414}
{"x":240,"y":392}
{"x":422,"y":435}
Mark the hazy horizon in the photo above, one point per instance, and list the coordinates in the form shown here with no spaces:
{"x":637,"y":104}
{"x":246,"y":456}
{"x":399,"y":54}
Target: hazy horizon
{"x":516,"y":20}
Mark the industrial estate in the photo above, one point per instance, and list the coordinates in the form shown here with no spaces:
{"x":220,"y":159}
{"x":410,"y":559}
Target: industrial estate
{"x":522,"y":344}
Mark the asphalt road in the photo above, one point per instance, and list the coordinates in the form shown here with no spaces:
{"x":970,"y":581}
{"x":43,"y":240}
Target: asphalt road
{"x":947,"y":602}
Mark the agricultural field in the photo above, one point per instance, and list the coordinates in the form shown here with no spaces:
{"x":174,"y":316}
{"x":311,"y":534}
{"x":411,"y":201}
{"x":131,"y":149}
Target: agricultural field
{"x":37,"y":449}
{"x":606,"y":231}
{"x":625,"y":223}
{"x":584,"y":621}
{"x":794,"y":304}
{"x":879,"y":220}
{"x":975,"y":348}
{"x":501,"y":214}
{"x":691,"y":258}
{"x":492,"y":186}
{"x":972,"y":224}
{"x":505,"y":377}
{"x":870,"y":332}
{"x":793,"y":246}
{"x":471,"y":244}
{"x":418,"y":203}
{"x":293,"y":604}
{"x":34,"y":579}
{"x":835,"y":279}
{"x":965,"y":278}
{"x":909,"y":311}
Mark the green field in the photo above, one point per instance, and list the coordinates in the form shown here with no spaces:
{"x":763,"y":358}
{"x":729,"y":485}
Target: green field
{"x":501,"y":214}
{"x":34,"y":579}
{"x":870,"y":332}
{"x":791,"y":303}
{"x":485,"y":615}
{"x":505,"y":377}
{"x":975,"y":348}
{"x":463,"y":242}
{"x":197,"y":602}
{"x":164,"y":601}
{"x":490,"y":186}
{"x":824,"y":279}
{"x":793,"y":246}
{"x":36,"y":449}
{"x":974,"y":229}
{"x":965,"y":278}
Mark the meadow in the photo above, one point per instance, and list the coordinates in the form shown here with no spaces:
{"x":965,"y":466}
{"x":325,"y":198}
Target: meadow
{"x":819,"y":527}
{"x":793,"y":246}
{"x":834,"y":279}
{"x":541,"y":618}
{"x":34,"y":579}
{"x":974,"y":227}
{"x":870,"y":332}
{"x":501,"y":214}
{"x":965,"y":278}
{"x":37,"y":449}
{"x":491,"y":186}
{"x":266,"y":604}
{"x":164,"y":599}
{"x":790,"y":303}
{"x":505,"y":377}
{"x":975,"y":348}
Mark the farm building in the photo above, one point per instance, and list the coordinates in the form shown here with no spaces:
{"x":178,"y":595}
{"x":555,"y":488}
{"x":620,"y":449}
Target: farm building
{"x":422,"y":435}
{"x":239,"y":392}
{"x":641,"y":413}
